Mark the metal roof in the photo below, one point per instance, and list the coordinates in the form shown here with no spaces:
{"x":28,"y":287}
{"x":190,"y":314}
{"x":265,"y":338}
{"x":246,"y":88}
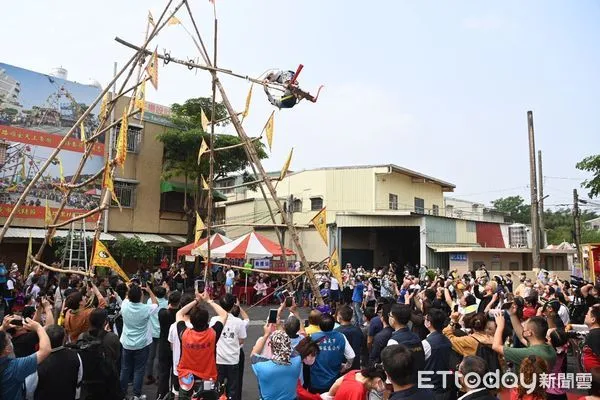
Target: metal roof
{"x":146,"y":237}
{"x":40,"y":233}
{"x":457,"y":249}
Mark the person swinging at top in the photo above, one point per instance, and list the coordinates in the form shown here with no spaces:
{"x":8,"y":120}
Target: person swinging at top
{"x":292,"y":93}
{"x":288,"y":99}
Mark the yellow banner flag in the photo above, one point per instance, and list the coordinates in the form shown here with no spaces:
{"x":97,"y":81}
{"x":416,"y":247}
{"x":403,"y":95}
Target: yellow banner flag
{"x":174,"y":21}
{"x":248,"y":99}
{"x":152,"y":69}
{"x":103,"y":107}
{"x":269,"y":129}
{"x":102,"y":258}
{"x":122,"y":141}
{"x":320,"y":222}
{"x":29,"y":254}
{"x":151,"y":19}
{"x":48,"y":214}
{"x":204,"y":184}
{"x":286,"y":166}
{"x":204,"y":121}
{"x":199,"y":227}
{"x":82,"y":129}
{"x":107,"y":183}
{"x":140,"y":98}
{"x":61,"y":170}
{"x":334,"y":266}
{"x":203,"y":149}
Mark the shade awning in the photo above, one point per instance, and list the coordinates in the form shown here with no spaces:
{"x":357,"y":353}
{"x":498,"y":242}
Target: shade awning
{"x":146,"y":237}
{"x":40,"y":233}
{"x":168,"y":186}
{"x":250,"y":246}
{"x":194,"y":249}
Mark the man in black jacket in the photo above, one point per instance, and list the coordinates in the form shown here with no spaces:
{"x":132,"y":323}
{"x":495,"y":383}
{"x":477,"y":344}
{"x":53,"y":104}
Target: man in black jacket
{"x":58,"y":376}
{"x":166,"y":317}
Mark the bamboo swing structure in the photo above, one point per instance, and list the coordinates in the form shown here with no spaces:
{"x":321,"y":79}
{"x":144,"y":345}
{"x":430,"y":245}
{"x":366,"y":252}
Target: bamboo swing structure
{"x":108,"y":123}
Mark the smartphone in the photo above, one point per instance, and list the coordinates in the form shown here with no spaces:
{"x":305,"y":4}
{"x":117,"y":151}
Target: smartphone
{"x":288,"y":301}
{"x":272,"y":316}
{"x":17,"y":322}
{"x":456,"y":308}
{"x":199,"y":285}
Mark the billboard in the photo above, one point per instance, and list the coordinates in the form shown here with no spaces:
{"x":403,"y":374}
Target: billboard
{"x":36,"y":112}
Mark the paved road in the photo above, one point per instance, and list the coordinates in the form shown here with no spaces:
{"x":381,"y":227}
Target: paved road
{"x":258,"y":316}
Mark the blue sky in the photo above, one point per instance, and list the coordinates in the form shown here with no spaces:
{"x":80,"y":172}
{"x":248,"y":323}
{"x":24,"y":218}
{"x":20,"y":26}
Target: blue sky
{"x":439,"y":87}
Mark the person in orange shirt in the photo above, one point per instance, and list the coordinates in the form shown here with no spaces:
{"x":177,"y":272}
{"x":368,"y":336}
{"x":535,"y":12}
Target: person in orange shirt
{"x":197,"y":366}
{"x":531,"y":369}
{"x":77,"y":318}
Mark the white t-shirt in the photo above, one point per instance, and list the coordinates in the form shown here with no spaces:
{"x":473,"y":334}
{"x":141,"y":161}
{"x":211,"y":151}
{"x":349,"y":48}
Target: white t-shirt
{"x":174,"y":340}
{"x":228,"y":346}
{"x":10,"y":284}
{"x":334,"y":285}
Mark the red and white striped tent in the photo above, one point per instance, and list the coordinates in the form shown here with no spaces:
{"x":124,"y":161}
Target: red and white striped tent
{"x":216,"y":240}
{"x":249,"y":246}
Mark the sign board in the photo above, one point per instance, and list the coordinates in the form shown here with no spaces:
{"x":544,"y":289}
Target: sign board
{"x":263,"y":263}
{"x":36,"y":112}
{"x":458,"y":256}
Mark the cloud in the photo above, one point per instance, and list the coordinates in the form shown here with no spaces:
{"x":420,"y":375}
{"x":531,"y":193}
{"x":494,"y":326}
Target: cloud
{"x":483,"y":23}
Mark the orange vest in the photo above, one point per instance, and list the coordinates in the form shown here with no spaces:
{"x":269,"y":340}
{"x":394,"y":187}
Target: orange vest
{"x":198,"y":354}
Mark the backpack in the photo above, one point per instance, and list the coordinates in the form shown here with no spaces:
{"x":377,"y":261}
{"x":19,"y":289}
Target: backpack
{"x":100,"y":376}
{"x":486,"y":352}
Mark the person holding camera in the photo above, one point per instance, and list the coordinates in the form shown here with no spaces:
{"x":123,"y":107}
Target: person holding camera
{"x":13,"y":371}
{"x":197,"y":367}
{"x":136,"y":337}
{"x":77,"y":318}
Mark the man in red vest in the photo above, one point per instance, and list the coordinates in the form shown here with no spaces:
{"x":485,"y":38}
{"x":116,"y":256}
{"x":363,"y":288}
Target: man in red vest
{"x":198,"y":364}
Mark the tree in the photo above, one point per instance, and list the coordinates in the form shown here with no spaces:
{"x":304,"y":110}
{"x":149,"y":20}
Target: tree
{"x":133,"y":248}
{"x":591,"y":164}
{"x":515,"y":207}
{"x":180,"y":157}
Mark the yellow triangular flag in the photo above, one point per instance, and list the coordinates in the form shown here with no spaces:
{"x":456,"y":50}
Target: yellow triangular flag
{"x":151,"y":19}
{"x":334,"y":266}
{"x":82,"y":129}
{"x":107,"y":183}
{"x":203,"y":149}
{"x":140,"y":98}
{"x":174,"y":21}
{"x":320,"y":222}
{"x":102,"y":258}
{"x":152,"y":69}
{"x":204,"y":121}
{"x":269,"y":129}
{"x":48,"y":214}
{"x":199,"y":227}
{"x":248,"y":99}
{"x":122,"y":141}
{"x":61,"y":170}
{"x":204,"y":184}
{"x":286,"y":166}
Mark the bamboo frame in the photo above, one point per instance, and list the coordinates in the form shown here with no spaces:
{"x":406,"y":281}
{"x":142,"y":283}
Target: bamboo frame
{"x":233,"y":146}
{"x":257,"y":271}
{"x":59,"y":270}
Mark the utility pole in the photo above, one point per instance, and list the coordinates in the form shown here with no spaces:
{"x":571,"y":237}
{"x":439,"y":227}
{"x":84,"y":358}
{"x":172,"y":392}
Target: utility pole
{"x":577,"y":218}
{"x":535,"y":247}
{"x":290,"y":214}
{"x":543,"y":243}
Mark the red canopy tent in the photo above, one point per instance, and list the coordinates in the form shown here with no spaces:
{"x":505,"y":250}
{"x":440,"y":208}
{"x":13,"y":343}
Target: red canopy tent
{"x":216,"y":240}
{"x":251,"y":245}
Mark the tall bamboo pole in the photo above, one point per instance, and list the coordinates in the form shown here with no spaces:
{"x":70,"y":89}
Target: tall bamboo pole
{"x":255,"y":159}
